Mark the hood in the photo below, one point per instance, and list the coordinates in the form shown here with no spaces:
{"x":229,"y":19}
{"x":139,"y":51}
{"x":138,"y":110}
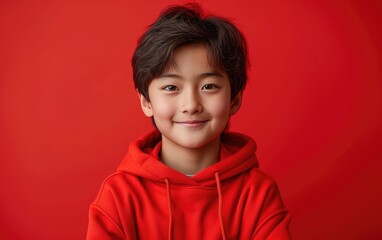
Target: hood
{"x":237,"y":156}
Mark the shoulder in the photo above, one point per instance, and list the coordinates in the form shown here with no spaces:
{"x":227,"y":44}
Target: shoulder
{"x":114,"y":187}
{"x":112,"y":204}
{"x":261,"y":180}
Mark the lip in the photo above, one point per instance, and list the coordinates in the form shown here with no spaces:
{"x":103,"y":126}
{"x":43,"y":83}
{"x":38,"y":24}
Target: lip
{"x":192,"y":124}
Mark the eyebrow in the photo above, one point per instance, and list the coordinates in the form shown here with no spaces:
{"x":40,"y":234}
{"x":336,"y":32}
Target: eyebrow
{"x":170,"y":75}
{"x":211,"y":74}
{"x":201,"y":76}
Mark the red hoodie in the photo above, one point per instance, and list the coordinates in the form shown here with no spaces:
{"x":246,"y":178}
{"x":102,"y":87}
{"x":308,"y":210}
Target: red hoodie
{"x":231,"y":199}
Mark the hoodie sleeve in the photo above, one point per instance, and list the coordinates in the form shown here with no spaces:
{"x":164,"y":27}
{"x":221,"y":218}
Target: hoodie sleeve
{"x":104,"y":217}
{"x":102,"y":226}
{"x":274,"y":220}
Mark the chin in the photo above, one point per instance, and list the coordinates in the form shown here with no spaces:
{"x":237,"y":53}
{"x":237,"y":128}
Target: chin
{"x":194,"y":144}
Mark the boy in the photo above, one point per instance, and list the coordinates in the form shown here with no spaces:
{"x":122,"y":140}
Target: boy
{"x":189,"y":179}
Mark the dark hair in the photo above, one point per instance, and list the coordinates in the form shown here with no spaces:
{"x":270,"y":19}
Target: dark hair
{"x":178,"y":26}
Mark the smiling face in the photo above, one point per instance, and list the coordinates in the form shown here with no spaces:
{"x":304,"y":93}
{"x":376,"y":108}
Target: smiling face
{"x":191,"y":101}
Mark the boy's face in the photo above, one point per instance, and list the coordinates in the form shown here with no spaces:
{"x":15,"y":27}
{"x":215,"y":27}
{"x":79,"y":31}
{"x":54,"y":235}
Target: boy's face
{"x":191,"y":102}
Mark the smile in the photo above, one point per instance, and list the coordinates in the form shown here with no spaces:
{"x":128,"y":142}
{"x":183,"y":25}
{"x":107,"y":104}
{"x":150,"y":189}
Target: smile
{"x":192,"y":124}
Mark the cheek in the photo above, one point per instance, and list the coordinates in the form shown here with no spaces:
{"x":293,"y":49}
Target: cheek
{"x":220,"y":107}
{"x":162,"y":109}
{"x":161,"y":106}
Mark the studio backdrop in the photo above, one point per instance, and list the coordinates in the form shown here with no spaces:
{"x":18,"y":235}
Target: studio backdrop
{"x":313,"y":103}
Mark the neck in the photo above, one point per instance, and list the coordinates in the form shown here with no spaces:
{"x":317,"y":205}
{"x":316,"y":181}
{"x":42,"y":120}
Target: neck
{"x":189,"y":161}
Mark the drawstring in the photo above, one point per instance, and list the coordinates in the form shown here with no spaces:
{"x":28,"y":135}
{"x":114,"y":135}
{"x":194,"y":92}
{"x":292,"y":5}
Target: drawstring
{"x":217,"y":178}
{"x":218,"y":186}
{"x":169,"y":209}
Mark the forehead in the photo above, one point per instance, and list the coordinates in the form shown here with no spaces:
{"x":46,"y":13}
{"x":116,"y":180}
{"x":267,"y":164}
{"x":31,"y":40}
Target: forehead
{"x":192,"y":57}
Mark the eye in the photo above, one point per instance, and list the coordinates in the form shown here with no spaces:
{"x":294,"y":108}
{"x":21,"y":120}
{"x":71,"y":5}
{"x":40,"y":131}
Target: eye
{"x":210,"y":87}
{"x":170,"y":88}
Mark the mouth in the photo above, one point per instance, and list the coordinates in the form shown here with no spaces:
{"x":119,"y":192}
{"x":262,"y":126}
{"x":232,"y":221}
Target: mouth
{"x":192,"y":124}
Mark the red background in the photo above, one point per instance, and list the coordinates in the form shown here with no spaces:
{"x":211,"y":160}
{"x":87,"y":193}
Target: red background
{"x":313,"y":104}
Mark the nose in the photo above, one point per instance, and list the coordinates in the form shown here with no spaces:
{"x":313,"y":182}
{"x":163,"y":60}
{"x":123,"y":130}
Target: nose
{"x":190,"y":102}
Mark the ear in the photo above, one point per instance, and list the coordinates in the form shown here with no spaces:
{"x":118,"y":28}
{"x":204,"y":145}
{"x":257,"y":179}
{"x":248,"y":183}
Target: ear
{"x":145,"y":105}
{"x":235,"y":103}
